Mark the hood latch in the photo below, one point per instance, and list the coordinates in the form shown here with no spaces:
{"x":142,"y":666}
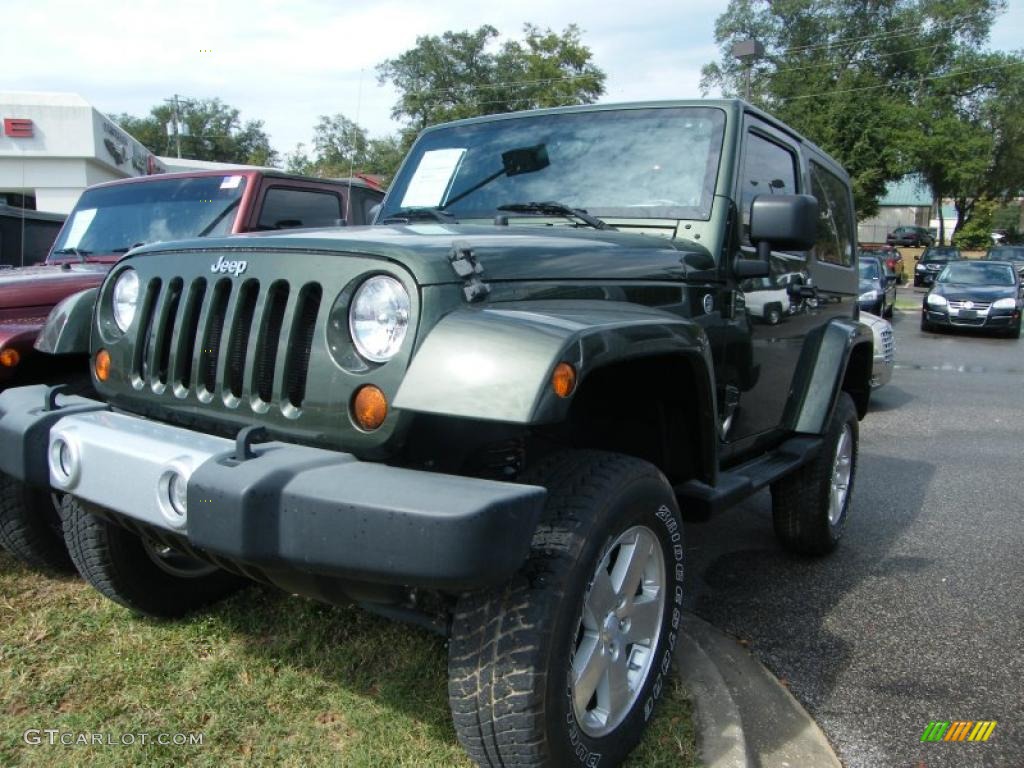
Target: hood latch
{"x":466,"y":266}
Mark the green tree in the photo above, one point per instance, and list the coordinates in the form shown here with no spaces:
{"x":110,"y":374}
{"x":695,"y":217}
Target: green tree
{"x":341,"y":147}
{"x":862,"y":79}
{"x":214,"y":131}
{"x":460,"y":74}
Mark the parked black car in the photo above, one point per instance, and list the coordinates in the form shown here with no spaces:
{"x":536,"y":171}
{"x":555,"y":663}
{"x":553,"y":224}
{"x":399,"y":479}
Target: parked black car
{"x":932,"y":261}
{"x":975,"y":294}
{"x":877,"y":292}
{"x":1012,"y":253}
{"x":910,"y":236}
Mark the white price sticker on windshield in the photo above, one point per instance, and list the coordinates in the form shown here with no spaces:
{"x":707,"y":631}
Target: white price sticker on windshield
{"x":433,"y":175}
{"x":231,"y":182}
{"x":79,"y":225}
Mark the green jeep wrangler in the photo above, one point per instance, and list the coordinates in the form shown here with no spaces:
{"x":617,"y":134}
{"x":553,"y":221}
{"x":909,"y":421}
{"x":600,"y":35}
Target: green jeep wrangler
{"x":489,"y":413}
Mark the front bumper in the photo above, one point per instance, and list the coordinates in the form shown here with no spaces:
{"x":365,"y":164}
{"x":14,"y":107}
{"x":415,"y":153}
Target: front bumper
{"x":986,"y":320}
{"x":288,"y":511}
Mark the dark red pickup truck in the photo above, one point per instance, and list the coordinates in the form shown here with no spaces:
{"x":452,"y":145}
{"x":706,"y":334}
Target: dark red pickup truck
{"x":111,"y":219}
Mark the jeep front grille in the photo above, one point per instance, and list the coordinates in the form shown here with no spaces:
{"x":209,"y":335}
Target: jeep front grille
{"x":245,"y":342}
{"x":888,"y":345}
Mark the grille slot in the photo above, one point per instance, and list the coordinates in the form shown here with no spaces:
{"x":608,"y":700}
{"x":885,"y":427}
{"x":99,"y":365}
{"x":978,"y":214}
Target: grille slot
{"x":301,"y":343}
{"x":141,"y":352}
{"x":187,"y":335}
{"x":164,"y":330}
{"x":269,"y":338}
{"x":888,"y":345}
{"x":238,"y":342}
{"x":212,"y":336}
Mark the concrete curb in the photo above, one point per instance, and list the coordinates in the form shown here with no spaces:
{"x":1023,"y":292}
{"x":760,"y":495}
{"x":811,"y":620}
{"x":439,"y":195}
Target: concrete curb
{"x":744,"y":717}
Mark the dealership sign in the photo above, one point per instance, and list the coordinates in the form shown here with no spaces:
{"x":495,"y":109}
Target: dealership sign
{"x":17,"y":128}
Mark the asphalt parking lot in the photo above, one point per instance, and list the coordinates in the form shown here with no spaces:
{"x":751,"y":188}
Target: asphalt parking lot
{"x":919,"y":615}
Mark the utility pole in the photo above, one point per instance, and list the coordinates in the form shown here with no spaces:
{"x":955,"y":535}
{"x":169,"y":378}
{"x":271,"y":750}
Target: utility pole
{"x":175,"y":122}
{"x":748,"y":51}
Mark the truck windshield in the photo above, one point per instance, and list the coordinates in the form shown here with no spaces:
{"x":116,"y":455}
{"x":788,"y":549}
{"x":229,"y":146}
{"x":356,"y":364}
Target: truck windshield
{"x":628,"y":163}
{"x":113,"y":219}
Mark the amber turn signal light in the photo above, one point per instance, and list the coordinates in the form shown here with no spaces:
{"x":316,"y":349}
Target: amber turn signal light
{"x":102,"y":365}
{"x":369,"y":407}
{"x":9,"y":358}
{"x":563,"y":380}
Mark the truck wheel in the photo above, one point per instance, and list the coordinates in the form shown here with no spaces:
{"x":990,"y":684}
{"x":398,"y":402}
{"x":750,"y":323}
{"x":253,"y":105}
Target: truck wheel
{"x":30,"y":528}
{"x":139,"y":574}
{"x":773,"y":314}
{"x":563,"y":665}
{"x":809,"y":507}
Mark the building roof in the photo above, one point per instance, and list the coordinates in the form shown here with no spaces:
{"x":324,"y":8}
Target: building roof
{"x":908,"y":191}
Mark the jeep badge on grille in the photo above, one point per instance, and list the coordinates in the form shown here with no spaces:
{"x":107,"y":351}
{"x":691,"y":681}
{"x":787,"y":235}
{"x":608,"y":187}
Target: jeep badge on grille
{"x":229,"y":267}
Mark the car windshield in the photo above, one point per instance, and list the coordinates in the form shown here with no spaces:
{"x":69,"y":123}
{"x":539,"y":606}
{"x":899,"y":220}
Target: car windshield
{"x":941,"y":254}
{"x":114,"y":219}
{"x":1005,"y":254}
{"x":977,"y":273}
{"x":868,"y":269}
{"x":630,"y":163}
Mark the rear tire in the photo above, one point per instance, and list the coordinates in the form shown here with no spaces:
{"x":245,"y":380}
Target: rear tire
{"x":810,"y":506}
{"x":539,"y":669}
{"x":30,"y":527}
{"x":137,"y":574}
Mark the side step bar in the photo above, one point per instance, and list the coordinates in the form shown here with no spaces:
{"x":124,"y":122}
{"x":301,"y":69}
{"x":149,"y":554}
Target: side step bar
{"x":699,"y":500}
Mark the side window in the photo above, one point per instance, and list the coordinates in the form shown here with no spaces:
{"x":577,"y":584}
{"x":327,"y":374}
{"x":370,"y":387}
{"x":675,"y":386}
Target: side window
{"x":768,"y":169}
{"x":284,"y":207}
{"x":835,"y":218}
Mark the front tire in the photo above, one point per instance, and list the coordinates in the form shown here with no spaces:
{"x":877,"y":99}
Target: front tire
{"x":30,"y":527}
{"x":810,"y":506}
{"x":140,"y":575}
{"x":564,"y":664}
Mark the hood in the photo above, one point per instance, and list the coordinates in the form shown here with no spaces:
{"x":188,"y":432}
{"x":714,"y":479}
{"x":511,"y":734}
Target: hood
{"x":869,"y":284}
{"x":961,"y":292}
{"x":41,"y":287}
{"x":519,"y":252}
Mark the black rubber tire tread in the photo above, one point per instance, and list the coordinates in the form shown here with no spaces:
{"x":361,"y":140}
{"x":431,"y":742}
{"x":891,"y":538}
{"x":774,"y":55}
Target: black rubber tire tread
{"x":800,"y":501}
{"x":30,"y":528}
{"x":115,"y":562}
{"x":501,"y":642}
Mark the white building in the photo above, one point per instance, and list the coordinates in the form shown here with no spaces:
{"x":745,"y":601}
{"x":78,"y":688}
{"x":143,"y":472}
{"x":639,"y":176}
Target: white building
{"x":54,"y":145}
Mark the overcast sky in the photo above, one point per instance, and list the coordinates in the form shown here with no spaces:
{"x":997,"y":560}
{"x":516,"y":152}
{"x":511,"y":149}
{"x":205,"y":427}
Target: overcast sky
{"x":288,"y":62}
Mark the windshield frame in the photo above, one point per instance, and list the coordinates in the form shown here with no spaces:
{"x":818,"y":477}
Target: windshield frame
{"x":103,"y":199}
{"x":550,"y":127}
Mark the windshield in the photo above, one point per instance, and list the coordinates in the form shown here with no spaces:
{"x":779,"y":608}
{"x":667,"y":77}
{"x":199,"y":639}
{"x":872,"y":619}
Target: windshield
{"x":868,"y":269}
{"x":630,"y":163}
{"x":940,"y":254}
{"x":977,"y":273}
{"x":114,"y":219}
{"x":1005,"y":254}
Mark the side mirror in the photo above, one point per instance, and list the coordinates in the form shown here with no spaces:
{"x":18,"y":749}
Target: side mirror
{"x":783,"y":223}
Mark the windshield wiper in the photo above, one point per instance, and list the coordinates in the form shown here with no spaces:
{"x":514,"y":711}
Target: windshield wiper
{"x":77,"y":252}
{"x":552,"y":208}
{"x":219,"y":217}
{"x":405,"y":215}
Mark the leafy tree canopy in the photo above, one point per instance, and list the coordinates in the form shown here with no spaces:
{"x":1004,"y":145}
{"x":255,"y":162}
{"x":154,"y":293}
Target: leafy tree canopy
{"x":213,"y":131}
{"x":888,"y":87}
{"x":464,"y":74}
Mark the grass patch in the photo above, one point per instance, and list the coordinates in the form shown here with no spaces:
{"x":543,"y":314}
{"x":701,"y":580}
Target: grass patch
{"x":264,"y":677}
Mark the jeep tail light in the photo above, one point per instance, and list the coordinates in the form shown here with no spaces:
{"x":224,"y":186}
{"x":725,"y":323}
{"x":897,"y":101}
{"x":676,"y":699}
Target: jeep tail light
{"x":9,"y":358}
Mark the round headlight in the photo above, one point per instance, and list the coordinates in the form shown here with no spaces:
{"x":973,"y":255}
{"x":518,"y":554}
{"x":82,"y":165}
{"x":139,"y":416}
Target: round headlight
{"x":379,"y":318}
{"x":125,"y":298}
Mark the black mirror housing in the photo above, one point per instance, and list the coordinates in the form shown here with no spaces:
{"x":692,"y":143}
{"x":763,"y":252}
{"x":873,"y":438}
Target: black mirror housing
{"x":785,"y":222}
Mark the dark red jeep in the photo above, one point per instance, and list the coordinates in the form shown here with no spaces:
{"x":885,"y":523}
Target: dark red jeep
{"x":110,"y":219}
